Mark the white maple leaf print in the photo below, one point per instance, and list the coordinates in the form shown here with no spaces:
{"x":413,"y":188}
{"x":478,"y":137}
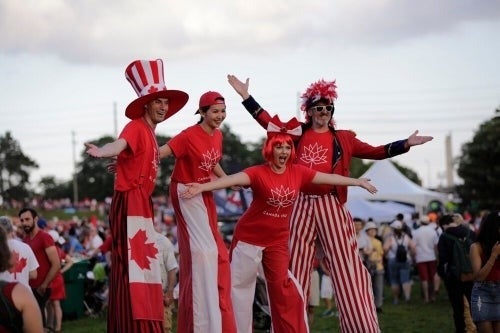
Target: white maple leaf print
{"x":282,"y":197}
{"x":314,"y":154}
{"x":210,"y":159}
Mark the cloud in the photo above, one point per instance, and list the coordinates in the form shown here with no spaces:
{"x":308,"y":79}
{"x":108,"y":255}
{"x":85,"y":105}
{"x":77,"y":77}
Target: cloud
{"x":111,"y":32}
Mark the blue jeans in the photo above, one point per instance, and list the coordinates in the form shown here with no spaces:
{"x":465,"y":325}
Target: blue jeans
{"x":485,"y":301}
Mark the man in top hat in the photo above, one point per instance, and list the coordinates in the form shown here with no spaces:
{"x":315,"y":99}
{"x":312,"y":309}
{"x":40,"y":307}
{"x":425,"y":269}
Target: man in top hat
{"x":136,"y":297}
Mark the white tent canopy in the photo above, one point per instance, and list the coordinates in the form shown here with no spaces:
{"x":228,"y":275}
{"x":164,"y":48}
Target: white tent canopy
{"x":392,"y":185}
{"x":378,"y":211}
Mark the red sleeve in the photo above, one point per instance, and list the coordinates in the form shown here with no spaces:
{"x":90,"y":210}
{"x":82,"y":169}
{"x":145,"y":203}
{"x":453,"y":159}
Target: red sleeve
{"x":178,"y":144}
{"x":106,"y":245}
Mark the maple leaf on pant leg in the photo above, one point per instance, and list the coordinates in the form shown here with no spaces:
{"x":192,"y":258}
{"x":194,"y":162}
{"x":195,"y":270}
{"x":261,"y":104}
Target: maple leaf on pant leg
{"x":140,"y":251}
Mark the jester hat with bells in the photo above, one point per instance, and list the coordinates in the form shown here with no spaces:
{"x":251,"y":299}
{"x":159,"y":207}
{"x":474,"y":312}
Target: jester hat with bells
{"x":146,"y":77}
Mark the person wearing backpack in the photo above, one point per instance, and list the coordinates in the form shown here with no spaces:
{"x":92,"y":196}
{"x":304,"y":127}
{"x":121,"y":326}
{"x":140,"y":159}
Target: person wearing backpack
{"x":454,"y":267}
{"x":485,"y":254}
{"x":19,"y":311}
{"x":399,"y":249}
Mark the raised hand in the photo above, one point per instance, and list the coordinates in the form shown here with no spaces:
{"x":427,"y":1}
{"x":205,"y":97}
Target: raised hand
{"x":240,"y":87}
{"x":415,"y":139}
{"x":365,"y":183}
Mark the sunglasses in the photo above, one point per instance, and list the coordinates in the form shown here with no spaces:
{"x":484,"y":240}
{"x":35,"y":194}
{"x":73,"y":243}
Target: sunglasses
{"x":319,"y":108}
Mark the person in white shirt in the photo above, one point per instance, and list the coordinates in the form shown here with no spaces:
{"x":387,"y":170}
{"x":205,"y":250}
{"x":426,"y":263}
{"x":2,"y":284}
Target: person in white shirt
{"x":426,"y":239}
{"x":25,"y":267}
{"x":168,"y":269}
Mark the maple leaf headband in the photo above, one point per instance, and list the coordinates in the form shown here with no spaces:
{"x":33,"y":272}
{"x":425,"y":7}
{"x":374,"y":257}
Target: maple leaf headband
{"x":319,"y":90}
{"x":292,"y":127}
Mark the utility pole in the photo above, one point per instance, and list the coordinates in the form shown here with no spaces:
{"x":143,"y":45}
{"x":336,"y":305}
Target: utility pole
{"x":449,"y":162}
{"x":115,"y":120}
{"x":75,"y":183}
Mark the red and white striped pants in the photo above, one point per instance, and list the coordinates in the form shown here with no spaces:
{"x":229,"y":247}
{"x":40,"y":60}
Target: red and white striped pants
{"x":325,"y":218}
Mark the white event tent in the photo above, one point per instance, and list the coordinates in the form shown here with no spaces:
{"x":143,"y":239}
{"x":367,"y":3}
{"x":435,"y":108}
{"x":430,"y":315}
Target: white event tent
{"x":393,"y":186}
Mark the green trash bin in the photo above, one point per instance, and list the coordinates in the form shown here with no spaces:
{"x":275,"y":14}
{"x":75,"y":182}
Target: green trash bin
{"x":74,"y":281}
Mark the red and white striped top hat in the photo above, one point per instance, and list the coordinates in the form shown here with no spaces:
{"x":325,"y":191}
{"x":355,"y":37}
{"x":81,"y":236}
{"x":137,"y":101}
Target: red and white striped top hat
{"x":146,"y":77}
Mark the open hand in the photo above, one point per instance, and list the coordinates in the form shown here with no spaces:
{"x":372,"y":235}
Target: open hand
{"x":415,"y":140}
{"x":192,"y":190}
{"x":240,"y":87}
{"x":365,"y":183}
{"x":93,"y":150}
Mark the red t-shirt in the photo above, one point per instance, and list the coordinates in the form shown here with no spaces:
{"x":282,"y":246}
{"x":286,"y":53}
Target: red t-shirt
{"x":266,"y":221}
{"x":138,"y":163}
{"x":196,"y":154}
{"x":38,"y":244}
{"x":316,"y":152}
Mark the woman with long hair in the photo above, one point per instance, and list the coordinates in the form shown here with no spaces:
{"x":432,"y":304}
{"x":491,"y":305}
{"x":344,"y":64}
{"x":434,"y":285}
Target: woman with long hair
{"x":484,"y":255}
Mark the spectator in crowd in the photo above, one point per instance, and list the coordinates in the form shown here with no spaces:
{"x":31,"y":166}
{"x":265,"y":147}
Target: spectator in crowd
{"x":314,"y":296}
{"x":399,"y":267}
{"x":45,"y":251}
{"x":363,"y":241}
{"x":73,"y":247}
{"x":407,"y":225}
{"x":58,"y":288}
{"x":326,"y":291}
{"x":484,"y":255}
{"x":426,"y":240}
{"x":25,"y":263}
{"x":455,"y":287}
{"x":168,"y":269}
{"x":92,"y":240}
{"x":375,"y":264}
{"x":135,"y":294}
{"x":16,"y":299}
{"x":437,"y":279}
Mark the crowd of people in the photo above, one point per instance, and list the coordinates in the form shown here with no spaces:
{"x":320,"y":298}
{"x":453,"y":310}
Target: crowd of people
{"x":297,"y":212}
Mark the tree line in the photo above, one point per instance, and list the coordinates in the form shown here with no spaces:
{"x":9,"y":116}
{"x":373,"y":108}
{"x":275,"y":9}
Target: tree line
{"x":478,"y":166}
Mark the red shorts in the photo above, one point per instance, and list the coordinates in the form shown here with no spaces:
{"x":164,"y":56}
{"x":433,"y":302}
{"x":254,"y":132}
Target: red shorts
{"x":426,"y":270}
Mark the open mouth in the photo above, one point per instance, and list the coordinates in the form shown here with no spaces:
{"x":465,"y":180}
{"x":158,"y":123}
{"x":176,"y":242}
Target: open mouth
{"x":283,"y":159}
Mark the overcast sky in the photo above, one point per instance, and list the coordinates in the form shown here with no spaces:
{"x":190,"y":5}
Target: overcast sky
{"x":400,"y":65}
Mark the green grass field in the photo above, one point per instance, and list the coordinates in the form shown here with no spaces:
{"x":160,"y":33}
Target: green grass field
{"x":415,"y":317}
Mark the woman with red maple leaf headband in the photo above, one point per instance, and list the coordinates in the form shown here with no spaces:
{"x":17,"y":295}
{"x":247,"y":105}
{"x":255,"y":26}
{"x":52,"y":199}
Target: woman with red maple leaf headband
{"x":204,"y":277}
{"x":261,"y":234}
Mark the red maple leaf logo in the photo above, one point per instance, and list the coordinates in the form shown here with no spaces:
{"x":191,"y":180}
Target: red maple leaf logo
{"x":140,"y":251}
{"x":152,"y":89}
{"x":19,"y":265}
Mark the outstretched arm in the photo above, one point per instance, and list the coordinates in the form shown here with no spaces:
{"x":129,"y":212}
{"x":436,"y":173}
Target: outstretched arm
{"x":239,"y":178}
{"x":415,"y":140}
{"x":333,"y":179}
{"x":111,"y":149}
{"x":165,"y":151}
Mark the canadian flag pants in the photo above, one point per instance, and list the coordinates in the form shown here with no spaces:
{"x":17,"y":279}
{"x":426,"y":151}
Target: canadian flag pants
{"x":325,"y":219}
{"x":285,"y":296}
{"x":204,"y":276}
